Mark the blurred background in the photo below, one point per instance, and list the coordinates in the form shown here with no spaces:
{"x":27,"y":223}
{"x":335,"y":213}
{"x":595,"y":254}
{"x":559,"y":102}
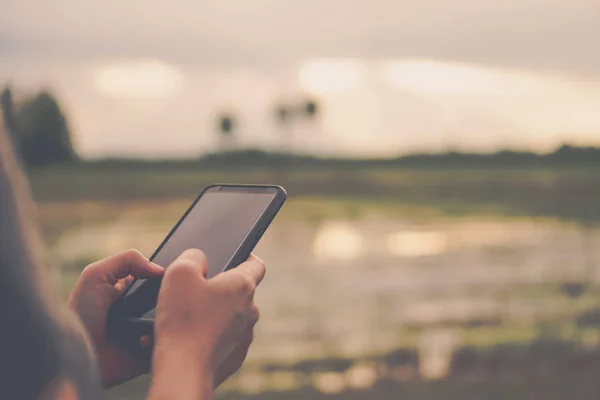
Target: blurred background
{"x":442,"y":236}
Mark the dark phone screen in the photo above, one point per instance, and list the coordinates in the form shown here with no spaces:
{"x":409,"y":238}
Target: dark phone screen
{"x":218,"y":224}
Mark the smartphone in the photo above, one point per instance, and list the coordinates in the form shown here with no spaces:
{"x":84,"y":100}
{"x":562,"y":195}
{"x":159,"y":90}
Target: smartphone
{"x":225,"y":222}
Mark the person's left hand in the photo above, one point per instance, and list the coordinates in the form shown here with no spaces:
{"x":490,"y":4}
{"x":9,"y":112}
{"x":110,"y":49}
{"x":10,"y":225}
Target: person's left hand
{"x":98,"y":287}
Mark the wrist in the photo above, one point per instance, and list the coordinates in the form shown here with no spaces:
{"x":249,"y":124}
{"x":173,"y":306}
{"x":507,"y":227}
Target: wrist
{"x":178,"y":373}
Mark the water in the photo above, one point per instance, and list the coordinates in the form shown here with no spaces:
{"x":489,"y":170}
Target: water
{"x":360,"y":287}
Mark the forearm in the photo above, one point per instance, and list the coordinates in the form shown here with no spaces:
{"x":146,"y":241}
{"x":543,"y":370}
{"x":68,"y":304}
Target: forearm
{"x":178,"y":376}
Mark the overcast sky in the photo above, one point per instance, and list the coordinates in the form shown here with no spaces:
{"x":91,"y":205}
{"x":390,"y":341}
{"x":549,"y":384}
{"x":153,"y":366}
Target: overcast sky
{"x":247,"y":53}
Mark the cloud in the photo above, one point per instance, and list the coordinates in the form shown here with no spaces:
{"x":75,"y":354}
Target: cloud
{"x":534,"y":34}
{"x":492,"y":73}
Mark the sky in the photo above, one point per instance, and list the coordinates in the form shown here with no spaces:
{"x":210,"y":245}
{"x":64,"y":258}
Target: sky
{"x":147,"y":78}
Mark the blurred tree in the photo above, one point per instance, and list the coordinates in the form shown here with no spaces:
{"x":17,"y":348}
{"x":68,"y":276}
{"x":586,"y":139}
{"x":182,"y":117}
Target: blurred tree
{"x":43,"y":135}
{"x":311,"y":109}
{"x":226,"y":129}
{"x":575,"y":155}
{"x":38,"y":129}
{"x":282,"y":114}
{"x":286,"y":114}
{"x":573,"y":289}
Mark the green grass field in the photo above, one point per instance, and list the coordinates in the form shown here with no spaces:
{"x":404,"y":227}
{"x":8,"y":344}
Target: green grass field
{"x":569,"y":193}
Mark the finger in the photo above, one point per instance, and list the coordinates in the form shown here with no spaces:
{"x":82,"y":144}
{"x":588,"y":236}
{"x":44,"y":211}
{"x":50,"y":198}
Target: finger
{"x":253,"y":268}
{"x":192,"y":260}
{"x":130,"y":262}
{"x":124,"y":283}
{"x":196,"y":258}
{"x":145,"y":341}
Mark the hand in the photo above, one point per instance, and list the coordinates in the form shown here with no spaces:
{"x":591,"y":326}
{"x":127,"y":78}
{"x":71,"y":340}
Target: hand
{"x":98,"y":287}
{"x":203,"y":327}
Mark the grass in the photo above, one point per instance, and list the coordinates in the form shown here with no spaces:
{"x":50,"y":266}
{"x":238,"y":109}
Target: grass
{"x":567,"y":193}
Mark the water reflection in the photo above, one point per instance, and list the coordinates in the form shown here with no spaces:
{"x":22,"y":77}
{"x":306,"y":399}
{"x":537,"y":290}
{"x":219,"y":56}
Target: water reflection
{"x":415,"y":243}
{"x":361,"y":376}
{"x":338,"y":241}
{"x":357,"y":288}
{"x":448,"y":311}
{"x":251,"y":382}
{"x":330,"y":382}
{"x":436,"y":348}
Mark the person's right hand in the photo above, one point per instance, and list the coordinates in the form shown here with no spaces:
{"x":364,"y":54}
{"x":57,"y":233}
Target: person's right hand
{"x":203,"y":328}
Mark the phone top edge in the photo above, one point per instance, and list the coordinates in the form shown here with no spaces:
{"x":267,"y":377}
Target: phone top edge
{"x":246,"y":188}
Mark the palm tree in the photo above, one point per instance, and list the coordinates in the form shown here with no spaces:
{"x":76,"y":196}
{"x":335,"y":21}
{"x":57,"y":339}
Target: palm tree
{"x":311,"y":109}
{"x":283,"y":117}
{"x":226,"y":125}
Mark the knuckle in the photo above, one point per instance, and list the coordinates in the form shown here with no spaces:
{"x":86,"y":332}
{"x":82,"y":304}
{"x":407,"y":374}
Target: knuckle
{"x":89,"y":271}
{"x":256,"y":312}
{"x":253,"y":315}
{"x":131,"y":254}
{"x":247,"y":286}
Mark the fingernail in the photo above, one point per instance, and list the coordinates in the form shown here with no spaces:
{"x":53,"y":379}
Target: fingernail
{"x":260,"y":260}
{"x":145,"y":341}
{"x":156,"y":266}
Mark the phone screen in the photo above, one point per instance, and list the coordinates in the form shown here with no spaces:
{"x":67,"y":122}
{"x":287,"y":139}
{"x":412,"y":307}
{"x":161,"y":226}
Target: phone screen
{"x":218,"y":224}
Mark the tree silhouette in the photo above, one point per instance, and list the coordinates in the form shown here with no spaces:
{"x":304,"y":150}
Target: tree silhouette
{"x":287,"y":114}
{"x":283,"y":114}
{"x":43,"y":134}
{"x":283,"y":117}
{"x":39,"y":130}
{"x":311,"y":109}
{"x":226,"y":126}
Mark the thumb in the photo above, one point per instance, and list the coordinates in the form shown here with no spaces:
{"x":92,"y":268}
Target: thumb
{"x":253,"y":268}
{"x":193,"y":259}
